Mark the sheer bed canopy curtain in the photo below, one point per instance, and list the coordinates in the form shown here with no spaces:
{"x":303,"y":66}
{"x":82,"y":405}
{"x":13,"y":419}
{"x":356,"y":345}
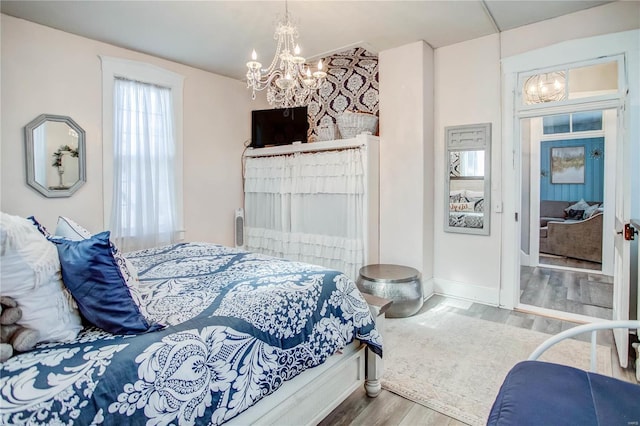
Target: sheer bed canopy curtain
{"x":144,"y":207}
{"x":307,"y":207}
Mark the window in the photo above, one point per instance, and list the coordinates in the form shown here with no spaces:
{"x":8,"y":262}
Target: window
{"x":142,"y":153}
{"x":567,"y":84}
{"x":570,"y":123}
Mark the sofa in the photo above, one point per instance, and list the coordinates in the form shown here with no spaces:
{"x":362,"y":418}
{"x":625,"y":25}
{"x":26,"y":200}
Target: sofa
{"x":567,"y":232}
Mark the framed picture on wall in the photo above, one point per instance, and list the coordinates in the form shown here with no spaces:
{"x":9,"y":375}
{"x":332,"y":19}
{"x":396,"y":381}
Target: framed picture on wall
{"x":567,"y":164}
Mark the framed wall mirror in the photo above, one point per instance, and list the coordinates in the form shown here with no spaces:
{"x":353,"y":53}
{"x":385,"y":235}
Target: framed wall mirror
{"x":468,"y":179}
{"x":55,"y":148}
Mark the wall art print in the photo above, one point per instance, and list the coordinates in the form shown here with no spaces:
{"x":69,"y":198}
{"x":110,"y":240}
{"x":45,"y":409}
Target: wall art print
{"x":351,"y":83}
{"x":567,"y":164}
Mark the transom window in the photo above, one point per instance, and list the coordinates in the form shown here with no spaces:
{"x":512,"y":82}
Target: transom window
{"x":566,"y":84}
{"x":572,"y":123}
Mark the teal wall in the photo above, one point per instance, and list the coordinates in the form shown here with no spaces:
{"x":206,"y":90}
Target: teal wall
{"x":591,"y":190}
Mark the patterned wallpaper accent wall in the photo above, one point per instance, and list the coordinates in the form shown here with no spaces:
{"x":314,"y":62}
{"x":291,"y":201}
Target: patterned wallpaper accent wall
{"x":351,"y":83}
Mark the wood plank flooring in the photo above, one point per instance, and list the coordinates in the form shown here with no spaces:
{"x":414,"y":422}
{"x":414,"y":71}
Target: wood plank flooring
{"x":582,"y":293}
{"x":390,"y":409}
{"x":550,"y":259}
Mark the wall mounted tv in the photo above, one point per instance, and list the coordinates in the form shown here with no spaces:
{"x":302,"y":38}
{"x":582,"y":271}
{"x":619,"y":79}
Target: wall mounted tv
{"x":279,"y":126}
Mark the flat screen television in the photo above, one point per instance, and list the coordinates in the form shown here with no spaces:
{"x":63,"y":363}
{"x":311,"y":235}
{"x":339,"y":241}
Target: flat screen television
{"x":279,"y":126}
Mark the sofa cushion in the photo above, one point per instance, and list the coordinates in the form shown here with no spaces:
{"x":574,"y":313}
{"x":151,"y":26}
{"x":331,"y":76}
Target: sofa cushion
{"x":542,"y":393}
{"x":553,"y":208}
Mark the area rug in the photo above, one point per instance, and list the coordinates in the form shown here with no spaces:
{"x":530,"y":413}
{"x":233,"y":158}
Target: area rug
{"x":455,"y":364}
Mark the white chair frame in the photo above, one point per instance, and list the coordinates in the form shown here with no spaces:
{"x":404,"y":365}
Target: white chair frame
{"x":592,"y":328}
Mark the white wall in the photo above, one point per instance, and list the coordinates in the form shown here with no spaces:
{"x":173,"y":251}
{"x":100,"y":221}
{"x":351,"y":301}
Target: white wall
{"x":50,"y":71}
{"x":467,"y":90}
{"x":406,"y":157}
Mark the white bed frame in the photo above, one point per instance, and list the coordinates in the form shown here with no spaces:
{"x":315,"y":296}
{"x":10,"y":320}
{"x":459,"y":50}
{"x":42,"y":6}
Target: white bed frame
{"x":593,"y":329}
{"x":311,"y":396}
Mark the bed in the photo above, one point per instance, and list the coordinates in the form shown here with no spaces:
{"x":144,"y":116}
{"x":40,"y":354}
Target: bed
{"x":543,"y":393}
{"x":233,"y":328}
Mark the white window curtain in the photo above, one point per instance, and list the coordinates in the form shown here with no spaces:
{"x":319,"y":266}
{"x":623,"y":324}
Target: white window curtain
{"x":144,"y":200}
{"x":307,"y":207}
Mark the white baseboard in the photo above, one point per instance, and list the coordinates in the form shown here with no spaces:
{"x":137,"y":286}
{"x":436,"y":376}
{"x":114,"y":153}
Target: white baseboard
{"x":427,"y":287}
{"x":524,"y":258}
{"x":466,"y":291}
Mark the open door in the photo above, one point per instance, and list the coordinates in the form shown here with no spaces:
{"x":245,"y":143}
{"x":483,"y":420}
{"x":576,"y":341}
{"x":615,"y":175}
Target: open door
{"x":622,"y":246}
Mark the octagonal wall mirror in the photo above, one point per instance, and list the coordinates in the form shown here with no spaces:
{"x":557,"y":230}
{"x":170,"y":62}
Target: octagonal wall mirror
{"x":55,"y":148}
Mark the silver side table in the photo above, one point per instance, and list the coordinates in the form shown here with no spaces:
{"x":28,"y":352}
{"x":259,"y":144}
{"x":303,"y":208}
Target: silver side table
{"x":400,"y":284}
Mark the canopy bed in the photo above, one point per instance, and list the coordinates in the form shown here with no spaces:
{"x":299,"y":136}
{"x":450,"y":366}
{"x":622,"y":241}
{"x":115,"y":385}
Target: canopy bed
{"x":208,"y":333}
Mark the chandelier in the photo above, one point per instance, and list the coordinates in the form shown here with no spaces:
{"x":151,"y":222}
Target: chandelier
{"x":288,"y":80}
{"x":546,"y":87}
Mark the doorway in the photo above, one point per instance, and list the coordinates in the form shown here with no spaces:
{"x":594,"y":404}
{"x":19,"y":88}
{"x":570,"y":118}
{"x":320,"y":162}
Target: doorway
{"x":623,"y":99}
{"x":567,"y":191}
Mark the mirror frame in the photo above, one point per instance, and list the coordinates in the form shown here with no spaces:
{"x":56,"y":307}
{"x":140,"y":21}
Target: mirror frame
{"x":29,"y":145}
{"x":472,"y":137}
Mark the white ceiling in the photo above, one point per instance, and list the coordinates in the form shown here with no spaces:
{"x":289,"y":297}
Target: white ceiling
{"x":218,"y":36}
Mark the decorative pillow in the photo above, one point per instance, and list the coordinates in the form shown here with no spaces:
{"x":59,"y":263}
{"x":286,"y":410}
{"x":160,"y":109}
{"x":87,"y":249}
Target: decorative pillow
{"x":580,"y":205}
{"x":455,"y":196}
{"x":30,"y":273}
{"x":67,"y":228}
{"x":70,"y":230}
{"x":92,"y":274}
{"x":575,"y":214}
{"x":590,"y":211}
{"x":473,"y":194}
{"x":44,"y":231}
{"x":479,"y":205}
{"x":461,"y":207}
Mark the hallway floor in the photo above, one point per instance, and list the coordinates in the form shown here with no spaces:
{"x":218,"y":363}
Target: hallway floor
{"x":582,"y":293}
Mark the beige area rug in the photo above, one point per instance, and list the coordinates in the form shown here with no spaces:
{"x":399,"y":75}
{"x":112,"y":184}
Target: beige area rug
{"x":455,"y":364}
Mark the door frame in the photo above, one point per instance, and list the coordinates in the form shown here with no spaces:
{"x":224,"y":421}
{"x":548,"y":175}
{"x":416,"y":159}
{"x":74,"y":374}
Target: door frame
{"x":609,"y":133}
{"x":624,"y":44}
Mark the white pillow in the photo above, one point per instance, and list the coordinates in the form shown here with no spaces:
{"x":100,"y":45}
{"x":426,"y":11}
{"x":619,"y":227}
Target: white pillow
{"x":473,"y":194}
{"x":70,"y":230}
{"x":30,"y":273}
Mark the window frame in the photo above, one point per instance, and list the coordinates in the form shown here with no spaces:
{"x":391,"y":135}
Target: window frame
{"x":146,"y":73}
{"x":530,"y":110}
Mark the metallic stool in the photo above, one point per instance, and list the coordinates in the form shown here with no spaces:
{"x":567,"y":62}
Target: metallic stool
{"x":401,"y":284}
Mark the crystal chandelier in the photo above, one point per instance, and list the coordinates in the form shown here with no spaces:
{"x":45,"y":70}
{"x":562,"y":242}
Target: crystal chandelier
{"x":546,"y":87}
{"x":288,"y":80}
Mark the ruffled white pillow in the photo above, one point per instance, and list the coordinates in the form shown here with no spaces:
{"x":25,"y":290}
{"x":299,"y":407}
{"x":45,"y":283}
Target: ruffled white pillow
{"x":30,"y":273}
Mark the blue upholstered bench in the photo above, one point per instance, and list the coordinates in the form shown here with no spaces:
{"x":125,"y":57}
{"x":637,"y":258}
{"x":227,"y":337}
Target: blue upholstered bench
{"x":541,"y":393}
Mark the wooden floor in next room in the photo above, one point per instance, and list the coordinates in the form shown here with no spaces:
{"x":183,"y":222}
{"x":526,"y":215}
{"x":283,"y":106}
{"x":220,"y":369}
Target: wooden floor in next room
{"x":391,"y":409}
{"x":584,"y":293}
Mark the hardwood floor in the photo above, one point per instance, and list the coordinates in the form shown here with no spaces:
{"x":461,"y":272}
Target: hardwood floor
{"x":568,"y":291}
{"x":391,"y":409}
{"x":549,"y":259}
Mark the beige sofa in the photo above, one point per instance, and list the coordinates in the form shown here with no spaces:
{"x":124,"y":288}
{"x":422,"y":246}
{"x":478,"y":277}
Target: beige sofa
{"x":577,"y":239}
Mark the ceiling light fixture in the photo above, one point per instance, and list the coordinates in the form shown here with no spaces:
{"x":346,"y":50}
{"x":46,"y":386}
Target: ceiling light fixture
{"x":546,"y":87}
{"x":288,"y":80}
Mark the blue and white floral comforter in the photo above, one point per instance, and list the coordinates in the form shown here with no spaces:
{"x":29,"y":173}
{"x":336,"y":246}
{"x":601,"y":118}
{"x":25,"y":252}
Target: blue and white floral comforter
{"x":238,"y":326}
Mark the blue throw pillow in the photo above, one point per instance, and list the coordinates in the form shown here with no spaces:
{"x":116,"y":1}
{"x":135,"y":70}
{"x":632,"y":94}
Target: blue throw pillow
{"x":92,"y":275}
